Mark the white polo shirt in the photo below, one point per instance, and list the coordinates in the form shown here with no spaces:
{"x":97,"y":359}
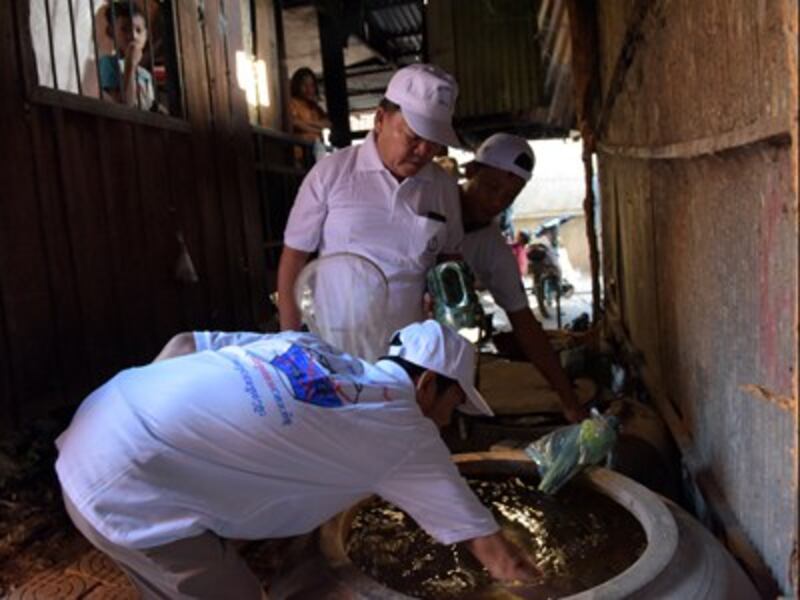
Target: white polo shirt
{"x":489,"y":256}
{"x":350,"y":202}
{"x":268,"y":438}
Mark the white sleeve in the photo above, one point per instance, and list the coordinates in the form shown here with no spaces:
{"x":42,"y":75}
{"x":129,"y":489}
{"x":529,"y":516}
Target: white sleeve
{"x":304,"y":227}
{"x":214,"y":340}
{"x":490,"y":257}
{"x":428,"y":487}
{"x":455,"y":226}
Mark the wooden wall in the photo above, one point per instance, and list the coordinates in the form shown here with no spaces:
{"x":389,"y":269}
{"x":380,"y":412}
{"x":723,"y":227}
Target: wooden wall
{"x":93,"y":198}
{"x":698,"y":164}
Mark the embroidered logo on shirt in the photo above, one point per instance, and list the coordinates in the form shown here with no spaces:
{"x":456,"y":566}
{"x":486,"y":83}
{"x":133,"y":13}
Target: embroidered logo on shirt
{"x":309,"y":382}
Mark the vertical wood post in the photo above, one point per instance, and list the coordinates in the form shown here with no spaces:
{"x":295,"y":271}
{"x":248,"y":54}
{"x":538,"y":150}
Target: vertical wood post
{"x":582,"y":17}
{"x":332,"y":36}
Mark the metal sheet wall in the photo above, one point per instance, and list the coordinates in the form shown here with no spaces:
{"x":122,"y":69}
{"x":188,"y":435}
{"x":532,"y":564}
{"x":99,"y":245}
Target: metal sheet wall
{"x":698,"y":171}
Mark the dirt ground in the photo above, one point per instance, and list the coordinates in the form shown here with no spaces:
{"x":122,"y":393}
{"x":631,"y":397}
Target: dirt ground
{"x":35,"y":532}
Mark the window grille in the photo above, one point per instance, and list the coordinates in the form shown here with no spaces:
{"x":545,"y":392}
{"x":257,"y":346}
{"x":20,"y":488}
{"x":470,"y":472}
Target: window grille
{"x":76,"y":45}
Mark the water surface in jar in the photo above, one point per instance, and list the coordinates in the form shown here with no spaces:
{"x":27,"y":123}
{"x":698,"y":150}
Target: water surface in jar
{"x":578,"y":539}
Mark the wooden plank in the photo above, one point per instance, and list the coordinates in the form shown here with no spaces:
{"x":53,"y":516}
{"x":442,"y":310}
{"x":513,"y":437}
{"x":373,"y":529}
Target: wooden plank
{"x":82,"y":194}
{"x":159,"y":214}
{"x":9,"y":414}
{"x":242,"y":143}
{"x":25,"y":60}
{"x":68,"y":318}
{"x":198,"y":200}
{"x":267,"y":49}
{"x":228,"y":186}
{"x":66,"y":100}
{"x":722,"y":514}
{"x":332,"y":36}
{"x":128,"y":237}
{"x":33,"y":372}
{"x":283,"y":74}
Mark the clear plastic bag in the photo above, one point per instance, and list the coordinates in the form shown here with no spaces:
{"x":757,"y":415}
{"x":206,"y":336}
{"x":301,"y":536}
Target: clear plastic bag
{"x":563,"y":453}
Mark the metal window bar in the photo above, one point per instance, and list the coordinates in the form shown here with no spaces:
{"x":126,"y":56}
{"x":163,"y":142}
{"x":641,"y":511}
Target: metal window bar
{"x":75,"y":47}
{"x":223,"y":21}
{"x":135,"y":74}
{"x":176,"y":93}
{"x":50,"y":40}
{"x":112,"y":8}
{"x":150,"y":52}
{"x":108,"y":10}
{"x":96,"y":53}
{"x":253,"y":51}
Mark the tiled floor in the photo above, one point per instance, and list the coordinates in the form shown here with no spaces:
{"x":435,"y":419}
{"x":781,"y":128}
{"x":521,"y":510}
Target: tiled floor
{"x":91,"y":577}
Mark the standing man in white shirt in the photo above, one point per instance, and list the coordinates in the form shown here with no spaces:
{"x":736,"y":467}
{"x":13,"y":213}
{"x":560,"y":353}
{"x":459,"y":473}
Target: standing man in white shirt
{"x":252,"y":436}
{"x":383,"y":199}
{"x":503,"y":165}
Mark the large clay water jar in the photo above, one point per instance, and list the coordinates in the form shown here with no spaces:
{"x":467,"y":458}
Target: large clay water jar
{"x":680,"y":560}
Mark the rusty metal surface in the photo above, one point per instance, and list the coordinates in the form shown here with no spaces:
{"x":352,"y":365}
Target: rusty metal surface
{"x":701,"y":254}
{"x":705,"y":266}
{"x":701,"y":68}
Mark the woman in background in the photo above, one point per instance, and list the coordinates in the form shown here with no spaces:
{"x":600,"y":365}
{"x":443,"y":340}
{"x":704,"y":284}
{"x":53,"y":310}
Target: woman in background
{"x":308,"y":118}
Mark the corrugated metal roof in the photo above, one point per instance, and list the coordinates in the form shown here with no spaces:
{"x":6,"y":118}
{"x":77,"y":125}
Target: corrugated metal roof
{"x":512,"y":61}
{"x":395,"y":29}
{"x":511,"y":58}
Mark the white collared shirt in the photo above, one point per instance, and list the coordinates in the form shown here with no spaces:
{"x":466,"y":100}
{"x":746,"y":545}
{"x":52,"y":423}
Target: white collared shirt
{"x":490,"y":258}
{"x":257,"y":436}
{"x":350,"y":202}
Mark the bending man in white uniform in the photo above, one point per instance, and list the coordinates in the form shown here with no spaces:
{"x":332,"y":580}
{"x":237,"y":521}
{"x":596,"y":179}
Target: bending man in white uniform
{"x":503,"y":165}
{"x":383,"y":199}
{"x":253,"y":436}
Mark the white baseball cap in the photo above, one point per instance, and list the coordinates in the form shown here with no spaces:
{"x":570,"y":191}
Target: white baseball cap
{"x":427,"y":98}
{"x":507,"y":152}
{"x":440,"y":349}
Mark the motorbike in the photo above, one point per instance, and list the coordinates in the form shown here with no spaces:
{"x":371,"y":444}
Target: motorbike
{"x":545,"y":268}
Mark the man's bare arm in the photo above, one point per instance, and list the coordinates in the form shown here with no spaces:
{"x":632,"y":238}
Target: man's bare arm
{"x":292,"y":262}
{"x":534,"y":344}
{"x":502,"y":559}
{"x":180,"y":344}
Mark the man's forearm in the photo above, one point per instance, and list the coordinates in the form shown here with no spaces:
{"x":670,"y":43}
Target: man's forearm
{"x":534,"y":344}
{"x":179,"y":345}
{"x":129,"y":86}
{"x":305,"y":126}
{"x":291,"y":263}
{"x":501,"y":558}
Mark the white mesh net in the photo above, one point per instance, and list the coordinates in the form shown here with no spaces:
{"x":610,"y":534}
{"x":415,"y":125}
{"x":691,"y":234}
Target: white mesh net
{"x":343,"y":299}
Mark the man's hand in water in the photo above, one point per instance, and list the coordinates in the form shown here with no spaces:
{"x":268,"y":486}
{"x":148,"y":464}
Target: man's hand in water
{"x":502,"y":559}
{"x":575,"y":413}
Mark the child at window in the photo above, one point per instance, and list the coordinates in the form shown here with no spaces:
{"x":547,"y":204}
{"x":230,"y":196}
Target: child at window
{"x":122,"y":79}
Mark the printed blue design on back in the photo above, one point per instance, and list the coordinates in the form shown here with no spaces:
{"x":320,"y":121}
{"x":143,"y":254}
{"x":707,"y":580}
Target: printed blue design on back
{"x":309,"y":382}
